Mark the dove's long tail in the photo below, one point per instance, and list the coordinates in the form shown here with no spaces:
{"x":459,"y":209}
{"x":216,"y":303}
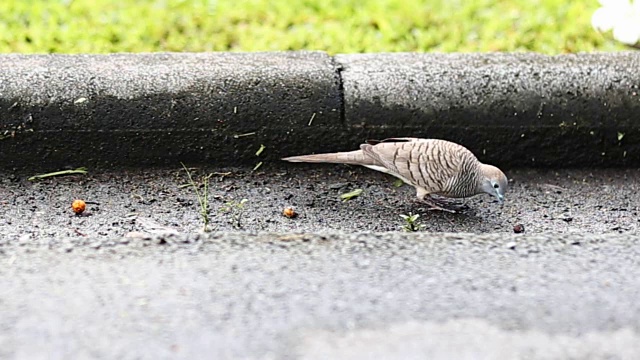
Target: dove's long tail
{"x":356,"y":157}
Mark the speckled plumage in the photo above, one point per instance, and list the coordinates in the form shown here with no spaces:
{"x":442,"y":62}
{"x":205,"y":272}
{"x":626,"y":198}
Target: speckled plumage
{"x":432,"y":166}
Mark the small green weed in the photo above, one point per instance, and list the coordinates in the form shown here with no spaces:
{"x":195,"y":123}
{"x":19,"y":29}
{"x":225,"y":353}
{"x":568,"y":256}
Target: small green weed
{"x":236,"y":210}
{"x":410,"y":222}
{"x":203,"y":196}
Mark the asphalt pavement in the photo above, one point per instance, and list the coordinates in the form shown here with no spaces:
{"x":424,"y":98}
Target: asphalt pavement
{"x":135,"y":278}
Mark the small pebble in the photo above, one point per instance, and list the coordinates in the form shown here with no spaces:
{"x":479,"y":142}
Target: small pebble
{"x":519,"y":228}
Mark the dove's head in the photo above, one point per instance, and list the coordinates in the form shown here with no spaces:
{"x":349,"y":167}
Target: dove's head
{"x":493,"y":181}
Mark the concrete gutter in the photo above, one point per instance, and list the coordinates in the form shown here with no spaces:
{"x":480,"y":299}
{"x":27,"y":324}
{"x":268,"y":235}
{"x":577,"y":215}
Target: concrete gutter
{"x":513,"y":110}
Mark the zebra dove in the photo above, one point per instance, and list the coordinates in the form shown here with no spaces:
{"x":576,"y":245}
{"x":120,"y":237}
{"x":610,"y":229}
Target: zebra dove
{"x":432,"y":166}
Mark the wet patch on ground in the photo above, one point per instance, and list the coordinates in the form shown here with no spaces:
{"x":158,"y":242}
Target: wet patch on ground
{"x":127,"y":202}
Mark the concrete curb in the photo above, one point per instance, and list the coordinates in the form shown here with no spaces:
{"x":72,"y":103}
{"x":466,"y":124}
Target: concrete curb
{"x":219,"y":108}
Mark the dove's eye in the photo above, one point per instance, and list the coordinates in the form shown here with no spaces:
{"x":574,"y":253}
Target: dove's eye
{"x":495,"y":186}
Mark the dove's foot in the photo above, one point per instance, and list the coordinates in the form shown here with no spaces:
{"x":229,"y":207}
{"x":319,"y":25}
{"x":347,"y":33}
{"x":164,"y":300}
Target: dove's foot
{"x":440,"y":205}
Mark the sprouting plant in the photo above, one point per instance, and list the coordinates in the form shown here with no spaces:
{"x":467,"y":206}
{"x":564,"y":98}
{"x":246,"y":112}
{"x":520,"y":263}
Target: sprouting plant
{"x":236,"y":209}
{"x":351,"y":194}
{"x":203,"y":196}
{"x":411,"y":224}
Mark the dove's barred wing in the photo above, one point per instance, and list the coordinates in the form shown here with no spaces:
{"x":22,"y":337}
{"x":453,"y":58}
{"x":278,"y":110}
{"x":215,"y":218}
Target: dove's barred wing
{"x":435,"y":165}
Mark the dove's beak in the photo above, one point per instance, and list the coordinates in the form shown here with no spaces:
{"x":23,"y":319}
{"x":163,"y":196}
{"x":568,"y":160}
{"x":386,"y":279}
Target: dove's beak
{"x":500,"y":198}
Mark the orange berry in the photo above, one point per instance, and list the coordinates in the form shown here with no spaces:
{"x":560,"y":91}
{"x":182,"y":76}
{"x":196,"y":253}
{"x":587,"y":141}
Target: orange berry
{"x":78,"y":206}
{"x":289,"y":212}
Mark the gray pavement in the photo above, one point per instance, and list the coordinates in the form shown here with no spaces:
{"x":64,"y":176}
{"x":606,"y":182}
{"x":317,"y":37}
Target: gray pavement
{"x":136,"y":279}
{"x":341,"y":296}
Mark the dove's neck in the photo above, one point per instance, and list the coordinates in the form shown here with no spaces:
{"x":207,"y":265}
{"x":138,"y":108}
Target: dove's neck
{"x":485,"y":174}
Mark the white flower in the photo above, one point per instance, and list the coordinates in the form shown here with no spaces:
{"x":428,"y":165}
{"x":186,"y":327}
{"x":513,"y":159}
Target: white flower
{"x":621,"y":16}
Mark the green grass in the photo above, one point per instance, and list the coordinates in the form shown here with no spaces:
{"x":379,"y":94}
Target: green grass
{"x":335,"y":26}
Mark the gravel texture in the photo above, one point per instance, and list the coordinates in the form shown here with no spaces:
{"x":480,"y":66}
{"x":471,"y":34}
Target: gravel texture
{"x":550,"y":201}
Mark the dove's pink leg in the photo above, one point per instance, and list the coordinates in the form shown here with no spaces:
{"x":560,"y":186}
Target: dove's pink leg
{"x":434,"y":204}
